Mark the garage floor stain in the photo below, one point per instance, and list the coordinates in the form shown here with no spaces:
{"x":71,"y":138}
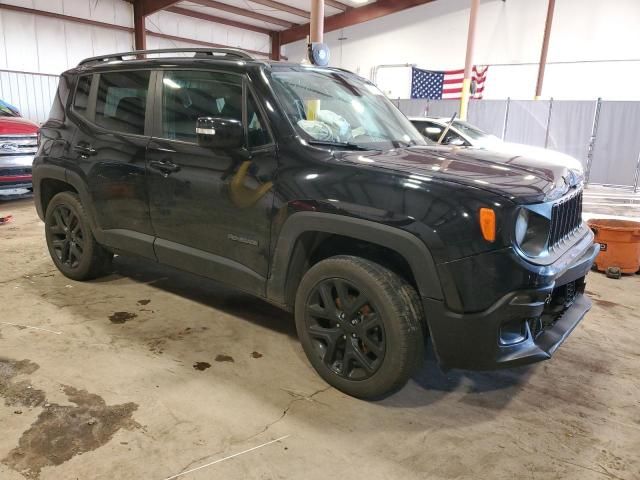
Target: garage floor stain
{"x":224,"y":358}
{"x":122,"y":317}
{"x":62,"y":431}
{"x":18,"y":393}
{"x":201,"y":365}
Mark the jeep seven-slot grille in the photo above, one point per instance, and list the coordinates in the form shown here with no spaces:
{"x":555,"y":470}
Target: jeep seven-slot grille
{"x":566,"y":218}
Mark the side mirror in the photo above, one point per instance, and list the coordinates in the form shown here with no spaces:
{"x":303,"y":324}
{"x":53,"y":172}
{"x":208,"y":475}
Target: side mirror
{"x":220,"y":133}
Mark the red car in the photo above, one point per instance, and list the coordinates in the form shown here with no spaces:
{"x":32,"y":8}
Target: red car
{"x":18,"y":145}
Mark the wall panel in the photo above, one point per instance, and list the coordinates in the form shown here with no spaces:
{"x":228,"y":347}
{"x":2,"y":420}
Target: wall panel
{"x":32,"y":93}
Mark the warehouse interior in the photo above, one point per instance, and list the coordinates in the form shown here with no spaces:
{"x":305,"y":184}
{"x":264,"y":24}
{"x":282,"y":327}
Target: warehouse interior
{"x":166,"y":366}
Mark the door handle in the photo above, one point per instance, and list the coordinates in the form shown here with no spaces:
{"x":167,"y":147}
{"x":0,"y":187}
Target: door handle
{"x":165,"y":166}
{"x":85,"y":151}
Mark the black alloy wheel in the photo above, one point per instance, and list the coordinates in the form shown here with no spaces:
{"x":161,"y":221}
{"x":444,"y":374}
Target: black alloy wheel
{"x":346,"y":329}
{"x":67,"y":237}
{"x":360,"y":325}
{"x":72,"y":245}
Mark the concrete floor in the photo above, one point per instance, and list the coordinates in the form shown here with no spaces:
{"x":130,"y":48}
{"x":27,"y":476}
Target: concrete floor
{"x":150,"y":372}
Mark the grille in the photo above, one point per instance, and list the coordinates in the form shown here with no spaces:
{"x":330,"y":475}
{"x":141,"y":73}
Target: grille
{"x":566,"y":218}
{"x":12,"y":172}
{"x":18,"y":144}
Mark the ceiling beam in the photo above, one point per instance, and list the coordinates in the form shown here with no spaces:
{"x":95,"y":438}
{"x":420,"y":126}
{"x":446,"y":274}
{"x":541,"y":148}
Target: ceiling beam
{"x":243,"y":12}
{"x":202,"y":43}
{"x":59,"y":16}
{"x":212,"y":18}
{"x":352,"y":16}
{"x":338,"y":5}
{"x":283,"y":8}
{"x":153,"y":6}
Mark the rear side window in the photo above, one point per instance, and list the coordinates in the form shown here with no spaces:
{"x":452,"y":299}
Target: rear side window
{"x":122,"y":99}
{"x":188,"y":95}
{"x":81,"y":98}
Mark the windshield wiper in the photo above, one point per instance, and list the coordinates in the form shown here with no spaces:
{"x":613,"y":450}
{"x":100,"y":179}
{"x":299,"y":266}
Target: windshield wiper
{"x":347,"y":145}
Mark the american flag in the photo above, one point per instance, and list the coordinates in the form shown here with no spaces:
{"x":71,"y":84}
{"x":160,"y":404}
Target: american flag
{"x":447,"y":84}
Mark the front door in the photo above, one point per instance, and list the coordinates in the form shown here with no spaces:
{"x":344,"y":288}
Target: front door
{"x":211,"y":209}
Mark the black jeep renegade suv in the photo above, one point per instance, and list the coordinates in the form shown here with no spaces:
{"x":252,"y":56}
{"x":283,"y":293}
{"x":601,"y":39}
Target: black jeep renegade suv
{"x":306,"y":187}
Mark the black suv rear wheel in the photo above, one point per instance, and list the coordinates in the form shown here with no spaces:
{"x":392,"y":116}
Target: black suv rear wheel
{"x":71,"y":243}
{"x":360,"y":325}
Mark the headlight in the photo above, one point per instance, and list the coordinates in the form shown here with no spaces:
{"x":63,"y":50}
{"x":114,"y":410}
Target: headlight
{"x":531,"y":233}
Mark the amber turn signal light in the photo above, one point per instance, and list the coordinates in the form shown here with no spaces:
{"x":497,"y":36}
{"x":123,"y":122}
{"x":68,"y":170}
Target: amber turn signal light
{"x":488,"y":224}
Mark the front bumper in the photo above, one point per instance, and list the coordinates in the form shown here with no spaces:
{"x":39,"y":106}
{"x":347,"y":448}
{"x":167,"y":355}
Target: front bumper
{"x":11,"y":178}
{"x":15,"y":171}
{"x":523,"y":326}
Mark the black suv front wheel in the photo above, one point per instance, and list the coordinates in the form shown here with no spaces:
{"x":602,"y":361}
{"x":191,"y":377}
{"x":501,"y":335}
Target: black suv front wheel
{"x":71,"y":243}
{"x":360,"y":325}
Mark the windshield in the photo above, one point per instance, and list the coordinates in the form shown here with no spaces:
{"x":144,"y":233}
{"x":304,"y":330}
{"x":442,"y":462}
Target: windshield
{"x":6,"y":111}
{"x":341,"y":109}
{"x":474,"y":133}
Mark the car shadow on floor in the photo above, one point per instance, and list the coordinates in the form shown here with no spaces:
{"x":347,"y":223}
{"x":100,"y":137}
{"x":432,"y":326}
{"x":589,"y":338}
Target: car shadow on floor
{"x":430,"y":384}
{"x":492,"y":390}
{"x":204,"y":291}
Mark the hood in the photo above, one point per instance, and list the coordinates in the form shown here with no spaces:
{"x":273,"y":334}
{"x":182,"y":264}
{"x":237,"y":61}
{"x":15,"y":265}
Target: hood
{"x":17,"y":126}
{"x":540,"y":154}
{"x":523,"y":179}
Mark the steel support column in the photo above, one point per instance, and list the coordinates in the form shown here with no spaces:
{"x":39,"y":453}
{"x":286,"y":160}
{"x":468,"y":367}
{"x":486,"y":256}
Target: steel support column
{"x":275,"y":46}
{"x":139,"y":28}
{"x":545,"y":48}
{"x":468,"y":63}
{"x":316,"y":27}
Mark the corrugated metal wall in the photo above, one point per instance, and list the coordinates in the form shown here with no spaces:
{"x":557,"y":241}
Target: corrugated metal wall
{"x":32,"y":93}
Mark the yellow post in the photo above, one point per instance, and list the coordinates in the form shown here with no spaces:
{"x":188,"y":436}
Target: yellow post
{"x":464,"y":100}
{"x":468,"y":63}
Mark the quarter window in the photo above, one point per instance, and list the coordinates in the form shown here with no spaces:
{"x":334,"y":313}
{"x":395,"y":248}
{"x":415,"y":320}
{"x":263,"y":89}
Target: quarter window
{"x":81,"y":99}
{"x":189,"y":95}
{"x":122,"y":99}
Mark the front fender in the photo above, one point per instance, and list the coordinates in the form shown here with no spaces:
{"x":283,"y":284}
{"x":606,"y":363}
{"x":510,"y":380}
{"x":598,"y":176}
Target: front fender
{"x":410,"y":247}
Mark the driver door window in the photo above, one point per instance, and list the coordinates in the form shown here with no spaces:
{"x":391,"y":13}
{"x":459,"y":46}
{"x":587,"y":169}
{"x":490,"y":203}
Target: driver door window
{"x":257,"y":132}
{"x":188,"y":95}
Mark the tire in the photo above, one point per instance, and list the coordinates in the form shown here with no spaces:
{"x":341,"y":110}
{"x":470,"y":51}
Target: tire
{"x":371,"y":344}
{"x":74,"y":250}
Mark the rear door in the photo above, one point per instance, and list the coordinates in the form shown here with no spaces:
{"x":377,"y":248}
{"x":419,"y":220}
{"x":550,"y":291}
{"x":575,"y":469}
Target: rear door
{"x":211,"y":209}
{"x":113,"y":114}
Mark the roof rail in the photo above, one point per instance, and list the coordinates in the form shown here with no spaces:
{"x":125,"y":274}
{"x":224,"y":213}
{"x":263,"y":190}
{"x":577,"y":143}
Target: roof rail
{"x":230,"y":53}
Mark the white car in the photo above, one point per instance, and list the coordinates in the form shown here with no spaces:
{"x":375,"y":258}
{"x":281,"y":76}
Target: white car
{"x":463,"y":134}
